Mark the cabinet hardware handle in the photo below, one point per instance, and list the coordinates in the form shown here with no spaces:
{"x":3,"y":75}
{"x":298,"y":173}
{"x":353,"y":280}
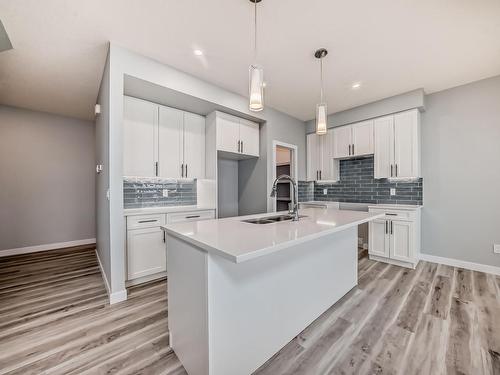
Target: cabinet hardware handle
{"x":320,"y":175}
{"x":349,"y":150}
{"x":239,"y":142}
{"x":386,"y":229}
{"x":192,"y":216}
{"x":156,"y":168}
{"x":164,"y":237}
{"x":186,"y":171}
{"x":241,"y":146}
{"x":317,"y":175}
{"x":391,"y":169}
{"x":353,"y":148}
{"x":391,"y":227}
{"x":148,"y":221}
{"x":396,"y":170}
{"x":389,"y":214}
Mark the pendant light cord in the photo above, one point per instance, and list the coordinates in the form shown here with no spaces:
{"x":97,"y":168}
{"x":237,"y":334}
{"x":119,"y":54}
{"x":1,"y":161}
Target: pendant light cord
{"x":321,"y":79}
{"x":255,"y":32}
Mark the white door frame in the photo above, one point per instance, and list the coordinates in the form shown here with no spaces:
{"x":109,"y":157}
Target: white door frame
{"x":294,"y":160}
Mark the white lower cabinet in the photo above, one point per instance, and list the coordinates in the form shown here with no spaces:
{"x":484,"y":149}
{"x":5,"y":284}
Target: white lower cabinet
{"x":396,"y":237}
{"x":146,"y":249}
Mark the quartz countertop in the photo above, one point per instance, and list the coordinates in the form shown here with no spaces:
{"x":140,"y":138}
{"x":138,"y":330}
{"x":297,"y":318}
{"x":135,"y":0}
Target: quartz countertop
{"x":406,"y":207}
{"x":163,"y":210}
{"x":239,"y":241}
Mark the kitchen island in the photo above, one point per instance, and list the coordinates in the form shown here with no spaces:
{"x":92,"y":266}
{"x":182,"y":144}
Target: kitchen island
{"x":240,"y":288}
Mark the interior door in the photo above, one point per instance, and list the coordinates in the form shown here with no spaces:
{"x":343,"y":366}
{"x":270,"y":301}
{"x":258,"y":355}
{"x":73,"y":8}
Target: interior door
{"x":170,"y":142}
{"x":312,"y":157}
{"x":383,"y":146}
{"x":249,"y":137}
{"x":342,"y":140}
{"x":362,"y":138}
{"x":140,"y":125}
{"x":194,"y":145}
{"x":228,"y":133}
{"x":401,"y":240}
{"x":379,"y":238}
{"x":405,"y":143}
{"x":146,"y":252}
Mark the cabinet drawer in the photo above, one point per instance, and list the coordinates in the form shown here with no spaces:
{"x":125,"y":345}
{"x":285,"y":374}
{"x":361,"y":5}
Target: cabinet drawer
{"x":145,"y":221}
{"x":190,"y":216}
{"x":394,"y":214}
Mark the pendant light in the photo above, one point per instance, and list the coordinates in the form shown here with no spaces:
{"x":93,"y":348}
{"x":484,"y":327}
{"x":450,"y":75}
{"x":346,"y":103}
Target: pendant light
{"x":256,"y":74}
{"x":321,"y":108}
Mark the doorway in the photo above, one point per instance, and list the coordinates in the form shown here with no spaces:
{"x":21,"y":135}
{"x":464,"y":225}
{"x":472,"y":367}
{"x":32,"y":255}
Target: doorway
{"x":284,"y":162}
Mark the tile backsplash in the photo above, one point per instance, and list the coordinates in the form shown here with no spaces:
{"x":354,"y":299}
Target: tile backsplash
{"x":357,"y":184}
{"x":306,"y":191}
{"x":148,"y":192}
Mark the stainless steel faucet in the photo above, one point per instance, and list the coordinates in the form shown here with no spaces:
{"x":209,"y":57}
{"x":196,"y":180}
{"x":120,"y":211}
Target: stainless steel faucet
{"x":294,"y":210}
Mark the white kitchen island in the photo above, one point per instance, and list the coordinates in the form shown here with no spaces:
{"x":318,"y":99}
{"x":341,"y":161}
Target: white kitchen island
{"x":238,"y":292}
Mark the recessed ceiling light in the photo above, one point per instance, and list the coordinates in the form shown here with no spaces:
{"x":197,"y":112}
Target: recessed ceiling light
{"x":356,"y":85}
{"x":198,"y":52}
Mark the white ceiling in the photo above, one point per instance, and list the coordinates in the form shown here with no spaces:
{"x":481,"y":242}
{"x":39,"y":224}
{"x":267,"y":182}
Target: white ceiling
{"x":390,"y":46}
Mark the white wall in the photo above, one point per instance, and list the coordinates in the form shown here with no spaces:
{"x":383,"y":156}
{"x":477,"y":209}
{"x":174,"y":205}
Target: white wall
{"x":47,"y":179}
{"x":461,"y":170}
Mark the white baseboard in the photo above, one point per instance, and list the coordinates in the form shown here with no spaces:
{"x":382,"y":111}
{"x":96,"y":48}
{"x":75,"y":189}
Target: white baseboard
{"x":50,"y":246}
{"x":113,"y":297}
{"x":461,"y":264}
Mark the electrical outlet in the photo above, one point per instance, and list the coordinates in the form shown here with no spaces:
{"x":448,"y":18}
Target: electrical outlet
{"x":496,"y":248}
{"x":325,"y":191}
{"x":165,"y":193}
{"x":393,"y":191}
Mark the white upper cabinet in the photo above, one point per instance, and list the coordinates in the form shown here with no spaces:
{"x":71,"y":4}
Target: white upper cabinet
{"x":397,"y":145}
{"x":353,"y":140}
{"x":162,"y":141}
{"x":321,"y":165}
{"x":362,"y":138}
{"x":237,"y":136}
{"x":140,"y":126}
{"x":342,"y":142}
{"x":249,"y":138}
{"x":194,"y":146}
{"x":170,"y":142}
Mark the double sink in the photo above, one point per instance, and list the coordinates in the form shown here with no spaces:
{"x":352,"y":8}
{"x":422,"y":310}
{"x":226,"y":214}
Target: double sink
{"x":271,"y":219}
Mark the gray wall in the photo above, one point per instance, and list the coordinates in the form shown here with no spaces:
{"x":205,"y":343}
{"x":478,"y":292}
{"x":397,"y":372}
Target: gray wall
{"x":393,"y":104}
{"x":461,"y":170}
{"x":227,"y":171}
{"x":47,"y":178}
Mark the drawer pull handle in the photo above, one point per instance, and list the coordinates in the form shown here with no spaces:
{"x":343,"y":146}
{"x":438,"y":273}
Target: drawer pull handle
{"x":192,"y":216}
{"x":147,"y":221}
{"x":389,"y":214}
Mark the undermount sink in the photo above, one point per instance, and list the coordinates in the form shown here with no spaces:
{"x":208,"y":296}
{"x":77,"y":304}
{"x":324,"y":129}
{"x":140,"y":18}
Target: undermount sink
{"x":271,"y":219}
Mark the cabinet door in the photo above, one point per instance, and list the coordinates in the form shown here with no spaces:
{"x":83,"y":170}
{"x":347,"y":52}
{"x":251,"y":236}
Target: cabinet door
{"x":249,"y":137}
{"x":313,"y":145}
{"x":342,"y":141}
{"x":401,"y":240}
{"x":328,"y":166}
{"x":228,"y":133}
{"x":140,"y":125}
{"x":362,"y":138}
{"x":384,"y":147}
{"x":146,"y":252}
{"x":194,"y":145}
{"x":379,"y":238}
{"x":170,"y":142}
{"x":406,"y":144}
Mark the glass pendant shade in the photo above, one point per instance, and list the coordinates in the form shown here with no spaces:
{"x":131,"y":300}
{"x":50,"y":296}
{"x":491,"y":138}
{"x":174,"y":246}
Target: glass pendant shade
{"x":321,"y":117}
{"x":256,"y":88}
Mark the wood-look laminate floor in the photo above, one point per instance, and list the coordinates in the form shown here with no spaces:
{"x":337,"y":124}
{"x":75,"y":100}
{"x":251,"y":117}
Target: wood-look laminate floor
{"x":55,"y":319}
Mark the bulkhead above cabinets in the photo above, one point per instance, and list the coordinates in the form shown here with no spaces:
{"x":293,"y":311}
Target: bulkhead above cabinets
{"x":160,"y":141}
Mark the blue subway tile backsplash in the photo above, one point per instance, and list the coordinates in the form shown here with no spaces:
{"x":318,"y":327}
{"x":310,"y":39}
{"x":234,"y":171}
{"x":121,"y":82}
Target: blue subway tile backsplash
{"x":148,"y":192}
{"x":357,"y":184}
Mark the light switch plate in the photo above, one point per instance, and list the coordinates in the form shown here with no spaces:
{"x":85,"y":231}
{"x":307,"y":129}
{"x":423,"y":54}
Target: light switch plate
{"x":496,"y":248}
{"x":393,"y":191}
{"x":165,"y":193}
{"x":325,"y":191}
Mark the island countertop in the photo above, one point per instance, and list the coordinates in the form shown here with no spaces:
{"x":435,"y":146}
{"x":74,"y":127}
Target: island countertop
{"x":239,"y":241}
